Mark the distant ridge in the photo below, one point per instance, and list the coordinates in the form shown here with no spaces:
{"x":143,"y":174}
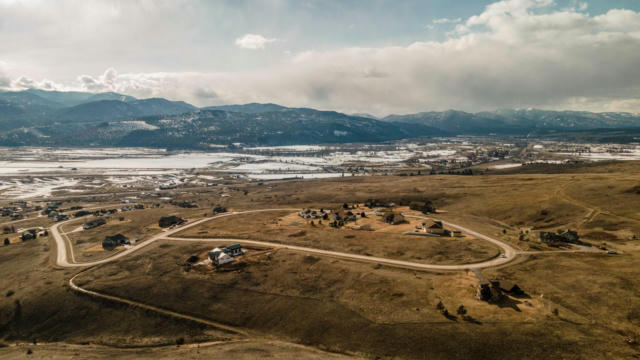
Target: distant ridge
{"x":251,"y":108}
{"x":56,"y":118}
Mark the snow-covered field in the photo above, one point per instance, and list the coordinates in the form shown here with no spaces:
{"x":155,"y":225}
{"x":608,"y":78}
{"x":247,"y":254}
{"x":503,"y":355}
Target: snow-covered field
{"x":35,"y":187}
{"x":156,"y":162}
{"x":297,"y":176}
{"x":602,"y":156}
{"x":28,"y":172}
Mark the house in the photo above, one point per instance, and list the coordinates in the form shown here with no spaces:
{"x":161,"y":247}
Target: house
{"x":373,"y":203}
{"x":219,"y":257}
{"x":233,"y":250}
{"x":425,"y":207}
{"x":559,"y":238}
{"x":50,"y":208}
{"x":126,"y":208}
{"x":60,"y":217}
{"x":311,"y":214}
{"x":436,"y":228}
{"x":218,"y":209}
{"x":28,"y":234}
{"x":488,"y":292}
{"x":111,"y":242}
{"x":94,"y":223}
{"x":184,"y":204}
{"x":167,"y":221}
{"x":393,"y":218}
{"x":82,"y":213}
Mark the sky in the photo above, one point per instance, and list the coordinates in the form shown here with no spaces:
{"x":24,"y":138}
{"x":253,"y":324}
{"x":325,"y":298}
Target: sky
{"x":368,"y":56}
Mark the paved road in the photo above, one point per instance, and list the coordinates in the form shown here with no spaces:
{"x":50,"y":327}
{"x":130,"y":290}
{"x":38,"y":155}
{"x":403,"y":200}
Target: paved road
{"x":64,"y":248}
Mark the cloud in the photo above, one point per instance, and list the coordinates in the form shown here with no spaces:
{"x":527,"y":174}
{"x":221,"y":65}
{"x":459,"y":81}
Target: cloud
{"x":253,"y":42}
{"x":513,"y":54}
{"x":447,"y":21}
{"x":23,"y":82}
{"x":104,"y":82}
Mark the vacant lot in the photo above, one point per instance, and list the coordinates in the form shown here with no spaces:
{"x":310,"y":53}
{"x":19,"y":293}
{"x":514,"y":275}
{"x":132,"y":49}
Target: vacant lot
{"x":36,"y":305}
{"x":358,"y":308}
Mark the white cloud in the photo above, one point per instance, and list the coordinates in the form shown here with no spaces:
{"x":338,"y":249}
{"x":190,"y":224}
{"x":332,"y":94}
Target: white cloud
{"x":514,"y":54}
{"x":24,"y":82}
{"x":253,"y":41}
{"x":447,"y":21}
{"x":104,"y":82}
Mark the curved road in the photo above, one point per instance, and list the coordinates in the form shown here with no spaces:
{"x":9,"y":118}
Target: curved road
{"x":64,"y":247}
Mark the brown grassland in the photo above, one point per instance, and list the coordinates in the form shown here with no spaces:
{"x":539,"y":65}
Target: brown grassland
{"x":382,"y":241}
{"x":578,"y":305}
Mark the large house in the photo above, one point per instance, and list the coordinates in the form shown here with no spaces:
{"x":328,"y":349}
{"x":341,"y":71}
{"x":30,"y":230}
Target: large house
{"x":219,"y":257}
{"x":28,"y":234}
{"x":167,"y":221}
{"x":560,"y":238}
{"x":437,"y":228}
{"x":225,"y":255}
{"x":111,"y":242}
{"x":393,"y":218}
{"x":94,"y":223}
{"x":233,"y":250}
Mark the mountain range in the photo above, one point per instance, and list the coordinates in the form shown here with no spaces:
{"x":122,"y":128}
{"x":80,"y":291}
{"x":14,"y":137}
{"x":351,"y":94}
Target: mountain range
{"x":54,"y":118}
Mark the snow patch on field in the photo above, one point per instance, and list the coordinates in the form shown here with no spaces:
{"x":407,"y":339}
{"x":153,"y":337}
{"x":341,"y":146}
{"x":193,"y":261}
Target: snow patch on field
{"x":288,"y":148}
{"x":272,"y":166}
{"x":291,"y":176}
{"x":603,"y":156}
{"x":505,"y":166}
{"x":134,"y":125}
{"x":38,"y":187}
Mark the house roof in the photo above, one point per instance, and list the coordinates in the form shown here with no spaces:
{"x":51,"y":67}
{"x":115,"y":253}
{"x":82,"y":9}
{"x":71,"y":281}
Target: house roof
{"x":117,"y":237}
{"x":233,"y":247}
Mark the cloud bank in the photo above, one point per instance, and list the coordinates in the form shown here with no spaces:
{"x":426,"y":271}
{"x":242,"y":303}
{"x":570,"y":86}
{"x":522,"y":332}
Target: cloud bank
{"x":514,"y":54}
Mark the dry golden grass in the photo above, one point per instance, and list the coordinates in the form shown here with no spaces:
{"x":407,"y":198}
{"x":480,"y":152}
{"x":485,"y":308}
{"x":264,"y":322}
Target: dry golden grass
{"x":137,"y":224}
{"x":384,"y":241}
{"x":348,"y":306}
{"x":361,"y":308}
